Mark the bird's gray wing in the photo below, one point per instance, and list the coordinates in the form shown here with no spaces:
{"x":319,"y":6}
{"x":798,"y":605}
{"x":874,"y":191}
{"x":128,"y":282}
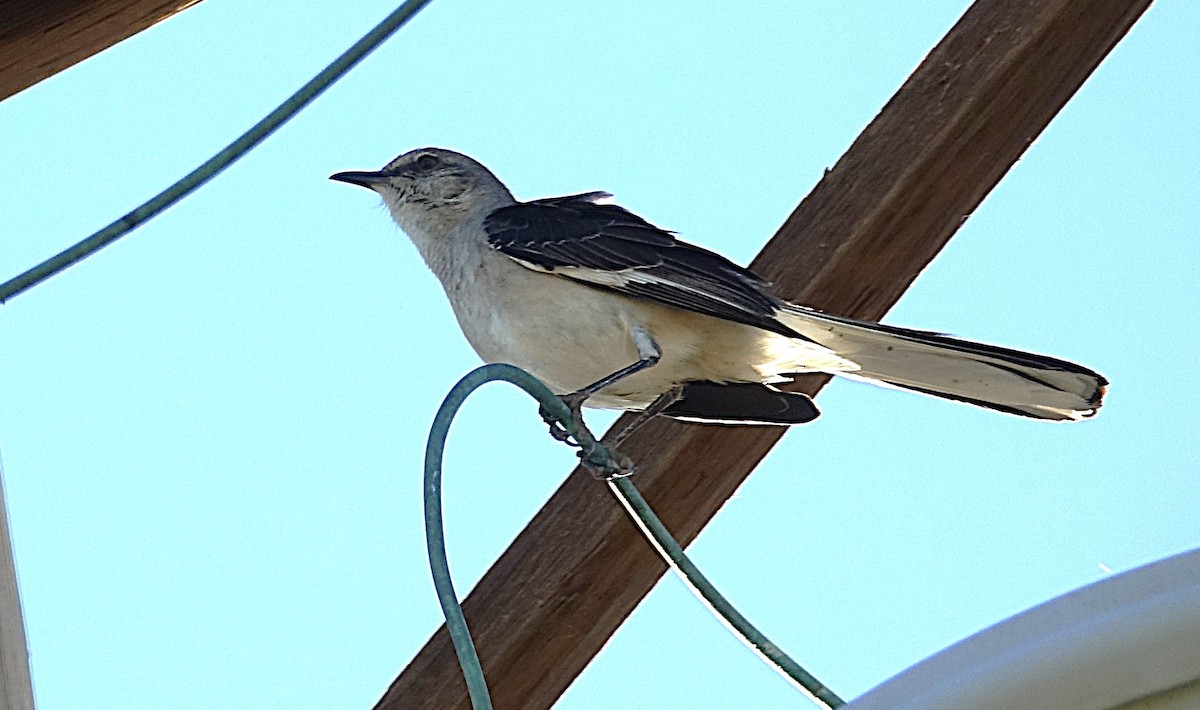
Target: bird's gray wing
{"x":610,"y":247}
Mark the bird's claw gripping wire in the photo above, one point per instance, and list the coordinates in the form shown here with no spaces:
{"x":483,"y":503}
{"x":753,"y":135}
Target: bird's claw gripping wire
{"x":557,"y":430}
{"x":624,"y":466}
{"x":602,"y":463}
{"x":605,"y":467}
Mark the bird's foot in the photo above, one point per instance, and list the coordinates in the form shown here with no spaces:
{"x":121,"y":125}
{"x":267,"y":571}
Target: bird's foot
{"x":557,"y":430}
{"x":561,"y":433}
{"x":615,"y":465}
{"x":574,"y":402}
{"x":592,"y":456}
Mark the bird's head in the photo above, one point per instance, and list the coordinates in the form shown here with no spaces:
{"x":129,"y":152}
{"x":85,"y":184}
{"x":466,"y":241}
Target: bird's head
{"x":432,"y":188}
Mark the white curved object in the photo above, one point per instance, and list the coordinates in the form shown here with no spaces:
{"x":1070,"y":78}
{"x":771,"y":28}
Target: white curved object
{"x":1130,"y":641}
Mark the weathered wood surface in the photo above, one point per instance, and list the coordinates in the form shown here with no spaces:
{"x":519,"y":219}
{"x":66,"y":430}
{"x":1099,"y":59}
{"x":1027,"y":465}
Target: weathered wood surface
{"x":39,"y":38}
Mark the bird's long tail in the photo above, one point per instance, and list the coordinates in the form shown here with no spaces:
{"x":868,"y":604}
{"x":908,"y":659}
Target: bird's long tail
{"x":998,"y":378}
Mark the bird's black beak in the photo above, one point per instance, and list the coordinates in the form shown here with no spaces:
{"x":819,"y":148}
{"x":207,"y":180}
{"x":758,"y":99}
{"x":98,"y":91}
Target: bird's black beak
{"x":363,"y":179}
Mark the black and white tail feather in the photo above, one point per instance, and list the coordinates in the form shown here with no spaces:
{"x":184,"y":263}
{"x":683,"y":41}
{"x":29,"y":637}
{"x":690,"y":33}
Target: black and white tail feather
{"x":604,"y":245}
{"x":1003,"y":379}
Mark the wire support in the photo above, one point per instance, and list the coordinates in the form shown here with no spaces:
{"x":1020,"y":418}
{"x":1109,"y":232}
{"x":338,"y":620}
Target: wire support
{"x":223,"y":159}
{"x":670,"y":550}
{"x":435,"y":541}
{"x":598,"y":458}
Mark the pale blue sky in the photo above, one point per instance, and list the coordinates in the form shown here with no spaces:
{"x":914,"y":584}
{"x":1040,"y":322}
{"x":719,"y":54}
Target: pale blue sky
{"x":212,"y":432}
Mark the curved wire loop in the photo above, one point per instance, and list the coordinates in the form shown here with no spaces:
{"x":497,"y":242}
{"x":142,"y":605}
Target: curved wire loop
{"x":599,"y":458}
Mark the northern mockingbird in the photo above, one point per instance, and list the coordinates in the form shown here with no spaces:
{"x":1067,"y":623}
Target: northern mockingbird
{"x":611,"y":311}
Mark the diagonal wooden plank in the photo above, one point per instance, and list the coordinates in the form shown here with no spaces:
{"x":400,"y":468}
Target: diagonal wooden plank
{"x":16,"y":684}
{"x":852,"y":246}
{"x":39,"y":38}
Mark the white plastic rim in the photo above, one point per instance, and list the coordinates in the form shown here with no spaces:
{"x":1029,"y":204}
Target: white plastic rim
{"x":1131,"y":636}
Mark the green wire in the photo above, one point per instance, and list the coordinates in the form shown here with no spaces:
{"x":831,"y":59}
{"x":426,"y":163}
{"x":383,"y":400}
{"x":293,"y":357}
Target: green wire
{"x":599,"y":458}
{"x":435,"y":541}
{"x":218,"y":162}
{"x":661,"y":539}
{"x":435,"y":544}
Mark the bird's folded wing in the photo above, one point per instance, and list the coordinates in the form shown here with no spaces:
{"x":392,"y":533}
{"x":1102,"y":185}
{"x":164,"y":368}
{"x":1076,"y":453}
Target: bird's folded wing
{"x":607,"y":246}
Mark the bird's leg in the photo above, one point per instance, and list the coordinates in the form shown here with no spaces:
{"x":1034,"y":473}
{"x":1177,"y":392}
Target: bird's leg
{"x":575,"y":400}
{"x":648,"y":355}
{"x":625,"y":465}
{"x":658,"y":406}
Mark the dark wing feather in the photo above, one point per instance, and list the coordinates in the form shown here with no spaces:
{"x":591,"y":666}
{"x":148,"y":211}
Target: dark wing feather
{"x":741,"y":403}
{"x":610,"y":247}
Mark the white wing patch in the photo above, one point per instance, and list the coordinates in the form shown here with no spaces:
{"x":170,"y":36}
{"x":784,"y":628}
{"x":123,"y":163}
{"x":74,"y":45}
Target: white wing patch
{"x":620,"y":279}
{"x":779,"y":354}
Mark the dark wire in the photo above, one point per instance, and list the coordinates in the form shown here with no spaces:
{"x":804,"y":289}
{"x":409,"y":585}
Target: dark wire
{"x":218,"y":162}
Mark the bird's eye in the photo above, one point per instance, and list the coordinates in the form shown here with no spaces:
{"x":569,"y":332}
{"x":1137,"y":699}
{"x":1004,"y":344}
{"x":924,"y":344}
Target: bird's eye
{"x":427,"y":161}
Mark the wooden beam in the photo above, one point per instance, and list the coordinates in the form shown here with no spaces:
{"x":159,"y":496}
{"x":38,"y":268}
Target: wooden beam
{"x":39,"y":38}
{"x":16,"y":684}
{"x":852,"y":246}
